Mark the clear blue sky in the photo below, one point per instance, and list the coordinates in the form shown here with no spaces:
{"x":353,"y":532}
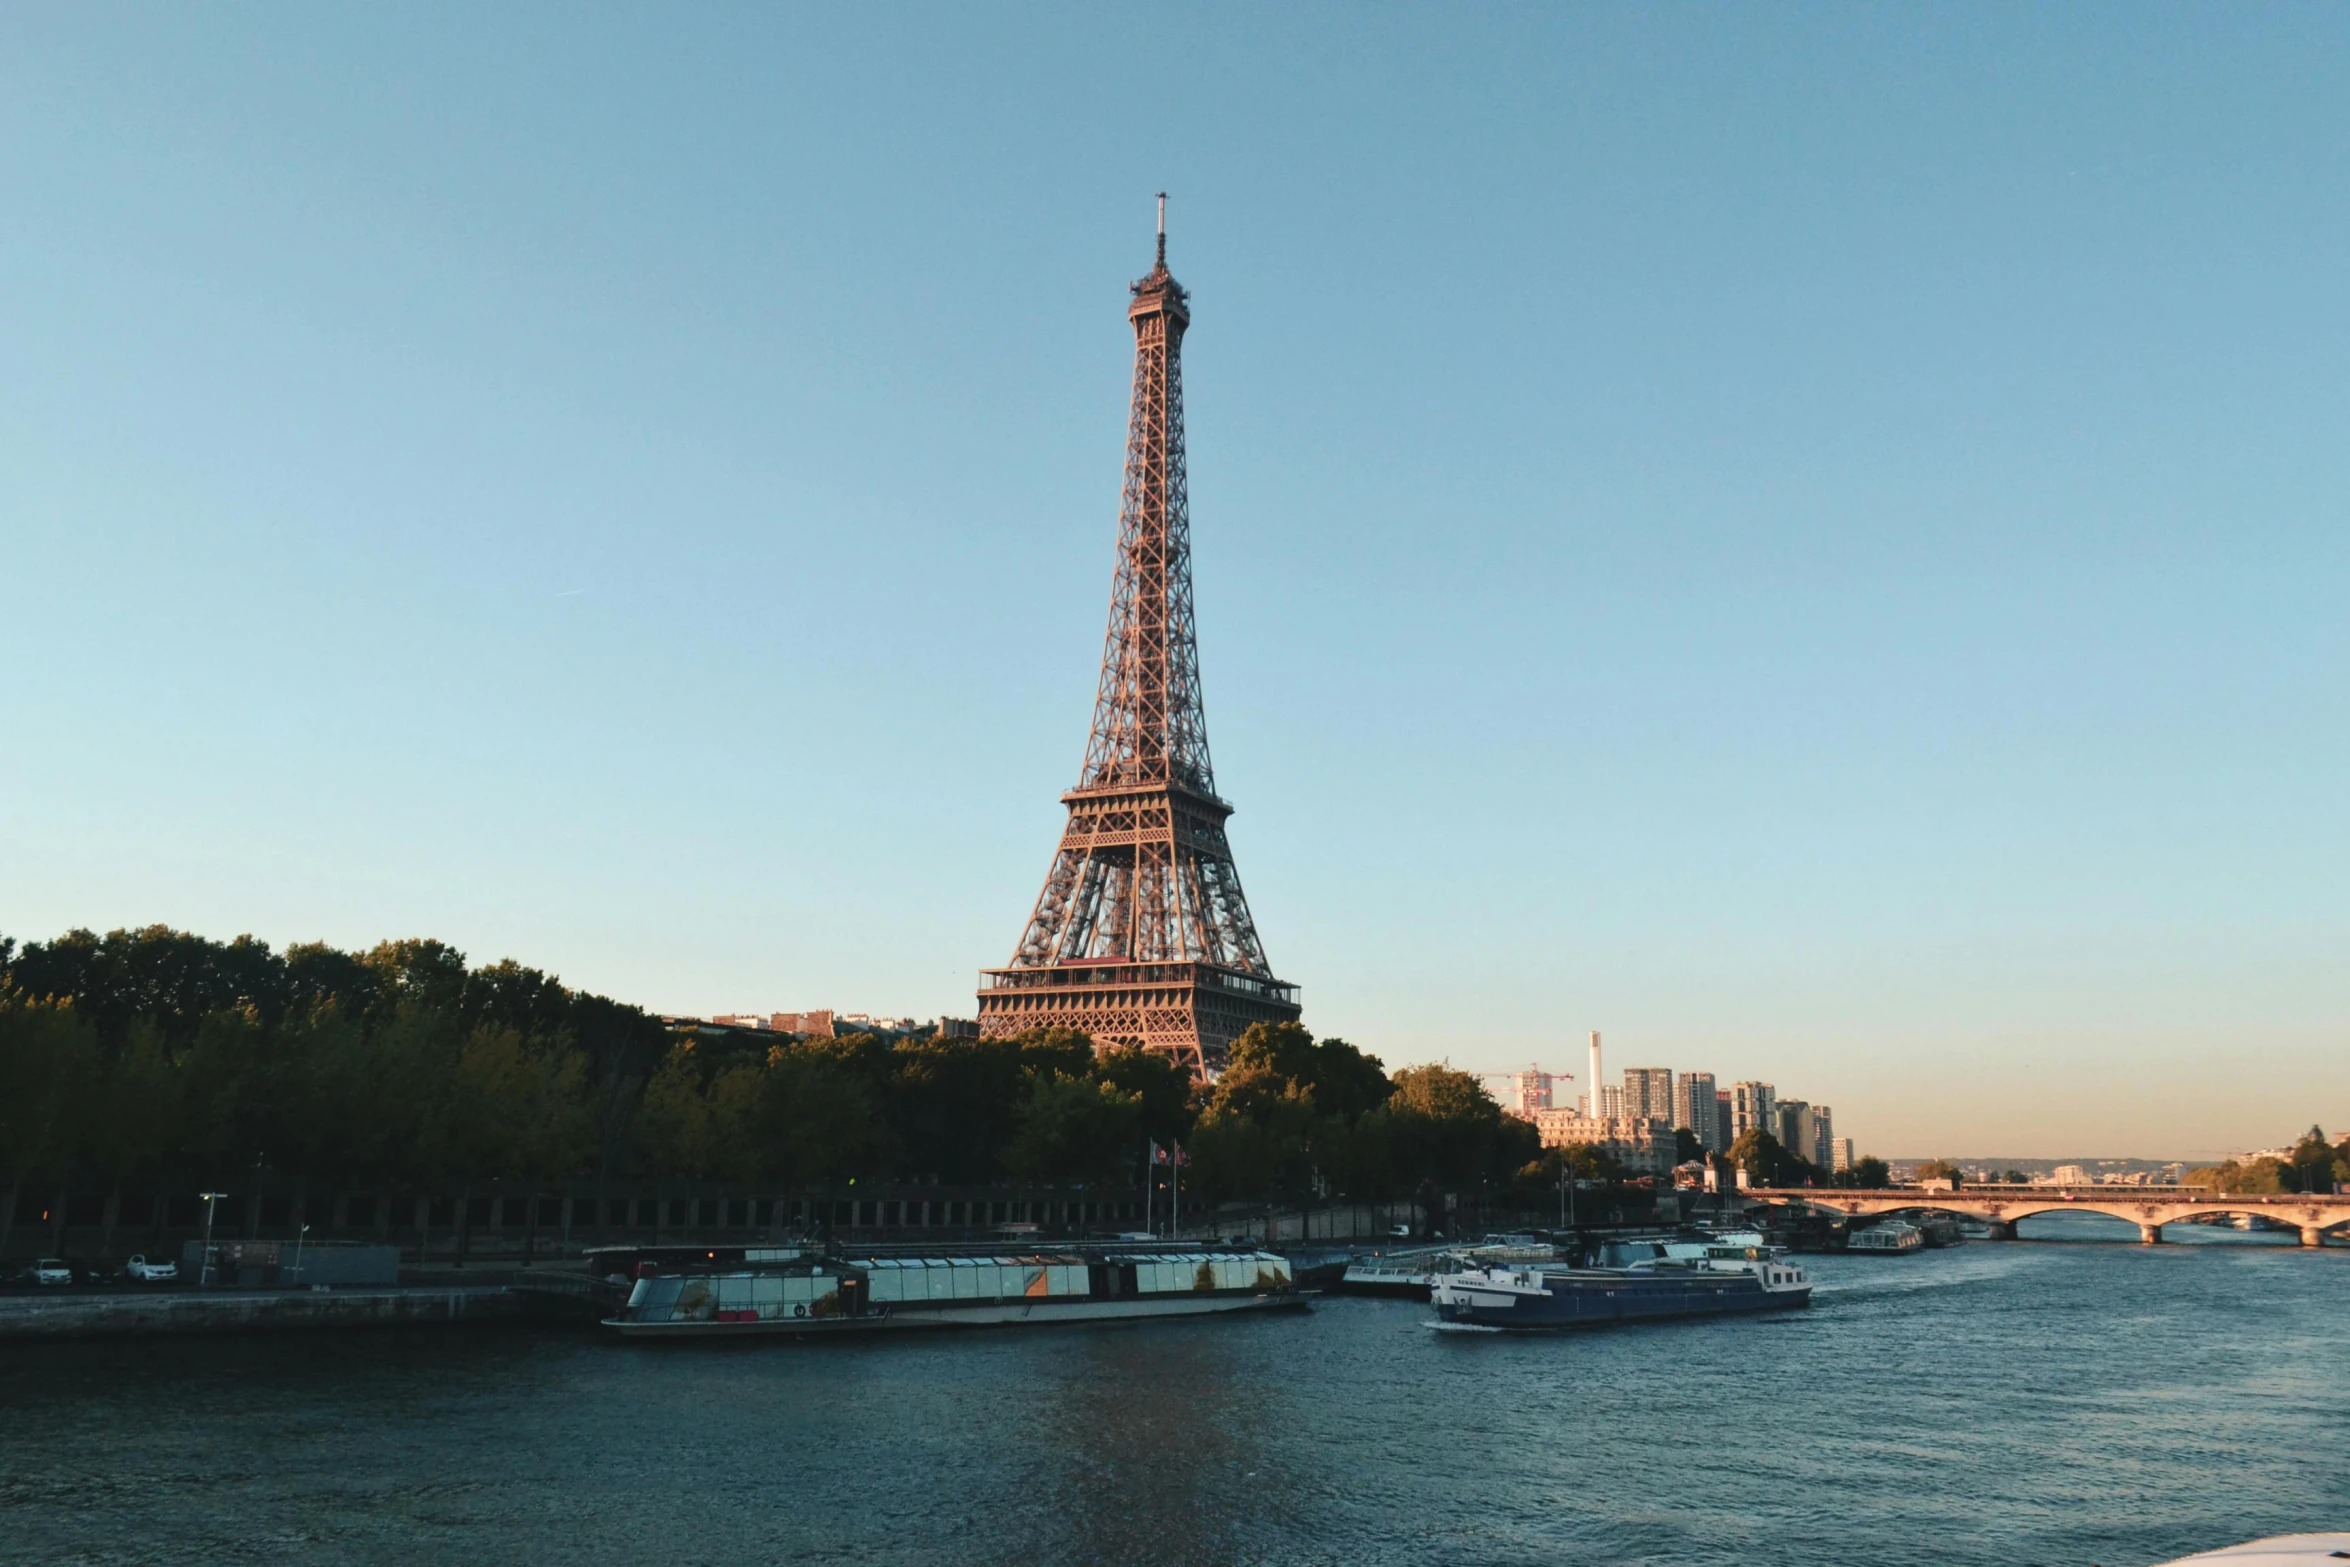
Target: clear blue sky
{"x":1812,"y":540}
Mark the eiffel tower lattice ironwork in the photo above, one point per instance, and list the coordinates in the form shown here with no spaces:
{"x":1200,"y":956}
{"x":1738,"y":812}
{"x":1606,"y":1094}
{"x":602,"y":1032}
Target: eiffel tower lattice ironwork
{"x":1141,"y":935}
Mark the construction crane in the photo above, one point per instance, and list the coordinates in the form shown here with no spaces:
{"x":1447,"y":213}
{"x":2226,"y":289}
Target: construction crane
{"x":1533,"y":1069}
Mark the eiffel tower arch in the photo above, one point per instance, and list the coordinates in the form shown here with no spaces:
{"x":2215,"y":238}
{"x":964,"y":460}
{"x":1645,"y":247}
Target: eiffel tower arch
{"x":1141,"y":935}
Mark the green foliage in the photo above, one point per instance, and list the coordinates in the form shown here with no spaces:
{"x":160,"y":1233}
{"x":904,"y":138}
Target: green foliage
{"x":1768,"y":1163}
{"x":1686,"y":1148}
{"x":1075,"y":1127}
{"x":1868,"y":1173}
{"x":47,"y":1058}
{"x":156,"y":1056}
{"x":1582,"y":1162}
{"x":2315,"y":1165}
{"x":1941,"y":1170}
{"x":1297,"y":1119}
{"x":195,"y":1061}
{"x":2254,"y":1178}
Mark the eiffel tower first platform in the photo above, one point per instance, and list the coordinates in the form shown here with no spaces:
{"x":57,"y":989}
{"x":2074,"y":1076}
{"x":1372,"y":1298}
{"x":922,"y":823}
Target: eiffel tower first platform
{"x":1141,"y":935}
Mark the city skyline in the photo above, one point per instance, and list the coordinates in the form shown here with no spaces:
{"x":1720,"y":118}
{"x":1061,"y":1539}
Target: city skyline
{"x":1812,"y":549}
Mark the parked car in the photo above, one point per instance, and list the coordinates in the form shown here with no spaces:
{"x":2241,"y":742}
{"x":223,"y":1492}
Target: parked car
{"x":140,"y":1271}
{"x":50,"y":1270}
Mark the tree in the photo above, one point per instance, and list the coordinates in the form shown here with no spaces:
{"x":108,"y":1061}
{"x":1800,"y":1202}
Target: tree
{"x":827,"y":1120}
{"x":1768,"y":1163}
{"x":1074,"y":1128}
{"x":954,"y":1103}
{"x":520,"y":1107}
{"x":2261,"y":1177}
{"x":1868,"y":1173}
{"x":1164,"y":1089}
{"x":1271,"y":1060}
{"x":673,"y":1119}
{"x":1941,"y":1170}
{"x":47,"y":1057}
{"x":1454,"y":1134}
{"x":1686,"y":1148}
{"x":2311,"y":1169}
{"x":1293,"y":1117}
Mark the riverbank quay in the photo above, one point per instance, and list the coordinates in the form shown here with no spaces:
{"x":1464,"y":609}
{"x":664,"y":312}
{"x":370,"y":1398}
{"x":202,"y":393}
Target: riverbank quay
{"x":124,"y":1313}
{"x":521,"y":1224}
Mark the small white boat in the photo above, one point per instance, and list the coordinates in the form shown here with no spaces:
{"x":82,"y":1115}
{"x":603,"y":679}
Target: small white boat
{"x":1889,"y":1239}
{"x":1412,"y":1274}
{"x":1405,"y":1276}
{"x":2280,"y":1550}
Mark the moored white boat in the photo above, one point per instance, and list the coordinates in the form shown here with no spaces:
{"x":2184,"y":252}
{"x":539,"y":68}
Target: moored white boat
{"x":822,"y":1296}
{"x":1891,"y":1238}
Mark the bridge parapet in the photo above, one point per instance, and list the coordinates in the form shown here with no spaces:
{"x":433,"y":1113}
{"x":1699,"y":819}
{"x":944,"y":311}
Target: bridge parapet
{"x":2000,"y":1206}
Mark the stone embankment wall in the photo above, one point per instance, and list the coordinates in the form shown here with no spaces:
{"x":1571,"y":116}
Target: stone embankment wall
{"x":514,"y":1221}
{"x":66,"y":1315}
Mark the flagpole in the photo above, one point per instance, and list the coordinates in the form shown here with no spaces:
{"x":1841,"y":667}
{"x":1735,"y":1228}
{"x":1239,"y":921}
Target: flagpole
{"x":1150,"y":1187}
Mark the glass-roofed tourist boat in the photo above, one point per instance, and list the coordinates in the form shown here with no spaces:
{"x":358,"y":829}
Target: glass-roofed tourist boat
{"x":788,"y":1291}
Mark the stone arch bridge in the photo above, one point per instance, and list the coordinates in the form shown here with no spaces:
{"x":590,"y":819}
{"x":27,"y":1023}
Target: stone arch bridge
{"x":2148,"y":1207}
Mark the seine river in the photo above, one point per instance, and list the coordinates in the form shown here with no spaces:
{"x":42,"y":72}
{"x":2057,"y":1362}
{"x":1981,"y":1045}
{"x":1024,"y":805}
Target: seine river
{"x":1996,"y":1405}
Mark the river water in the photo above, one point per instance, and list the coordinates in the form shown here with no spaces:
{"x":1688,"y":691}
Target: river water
{"x":1999,"y":1405}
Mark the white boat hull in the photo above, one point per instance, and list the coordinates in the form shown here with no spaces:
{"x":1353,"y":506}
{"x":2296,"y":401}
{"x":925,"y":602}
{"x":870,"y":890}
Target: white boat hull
{"x":916,"y":1315}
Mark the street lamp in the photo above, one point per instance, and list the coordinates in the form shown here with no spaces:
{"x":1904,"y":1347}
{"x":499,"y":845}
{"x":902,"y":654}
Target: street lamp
{"x":298,"y":1243}
{"x":204,"y":1272}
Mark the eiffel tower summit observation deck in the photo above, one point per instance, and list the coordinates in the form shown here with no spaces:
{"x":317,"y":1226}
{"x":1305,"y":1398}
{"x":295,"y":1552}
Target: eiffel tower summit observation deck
{"x":1141,"y":935}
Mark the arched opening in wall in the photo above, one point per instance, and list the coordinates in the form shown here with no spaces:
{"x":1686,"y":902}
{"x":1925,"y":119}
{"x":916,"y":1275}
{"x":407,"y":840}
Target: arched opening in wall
{"x":2233,"y":1227}
{"x":2066,"y":1223}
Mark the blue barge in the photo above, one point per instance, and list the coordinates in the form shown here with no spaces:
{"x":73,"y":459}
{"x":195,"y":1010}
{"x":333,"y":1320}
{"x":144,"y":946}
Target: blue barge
{"x":1523,"y":1297}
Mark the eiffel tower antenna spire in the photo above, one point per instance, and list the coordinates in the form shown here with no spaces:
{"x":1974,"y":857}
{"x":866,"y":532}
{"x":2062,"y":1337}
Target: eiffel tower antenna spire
{"x":1141,"y":935}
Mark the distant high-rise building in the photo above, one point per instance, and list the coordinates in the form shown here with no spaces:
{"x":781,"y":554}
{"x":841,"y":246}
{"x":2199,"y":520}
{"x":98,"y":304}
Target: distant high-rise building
{"x":1722,"y":1118}
{"x":1843,"y":1159}
{"x":1787,"y":1125}
{"x":1534,"y":1090}
{"x":1611,"y":1101}
{"x":1819,"y":1136}
{"x":1754,"y":1107}
{"x":1648,"y":1091}
{"x":1695,"y":1107}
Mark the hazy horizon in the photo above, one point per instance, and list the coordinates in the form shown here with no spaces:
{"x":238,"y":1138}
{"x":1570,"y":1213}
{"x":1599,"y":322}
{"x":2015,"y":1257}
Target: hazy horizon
{"x":1810,"y":541}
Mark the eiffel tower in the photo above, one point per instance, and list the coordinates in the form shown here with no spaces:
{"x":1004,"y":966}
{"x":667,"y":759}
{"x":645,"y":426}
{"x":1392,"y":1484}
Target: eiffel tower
{"x":1141,"y":935}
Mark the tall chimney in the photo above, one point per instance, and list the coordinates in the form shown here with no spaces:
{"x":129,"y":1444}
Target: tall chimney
{"x":1594,"y":1080}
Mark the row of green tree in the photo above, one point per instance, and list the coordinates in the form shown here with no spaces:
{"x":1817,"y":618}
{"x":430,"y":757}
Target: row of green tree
{"x":2314,"y":1165}
{"x":1768,"y":1162}
{"x":154,"y":1059}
